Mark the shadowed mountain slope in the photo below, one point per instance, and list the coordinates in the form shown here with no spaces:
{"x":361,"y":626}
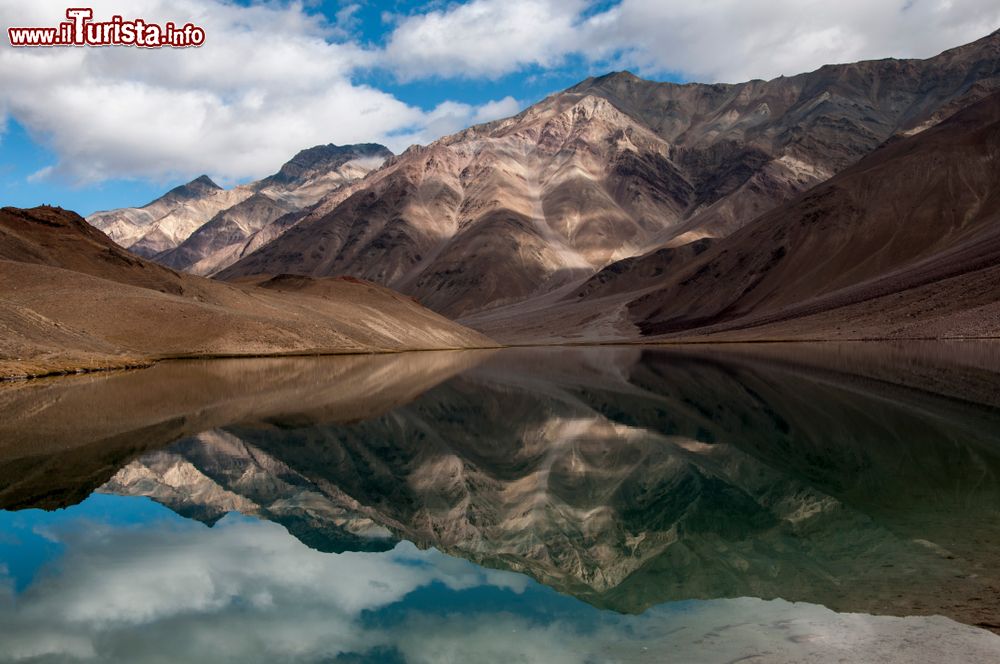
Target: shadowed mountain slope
{"x":915,"y":226}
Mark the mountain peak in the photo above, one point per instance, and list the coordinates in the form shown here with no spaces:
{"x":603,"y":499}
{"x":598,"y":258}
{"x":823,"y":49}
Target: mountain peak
{"x":326,"y":157}
{"x":610,"y":80}
{"x":203,"y":181}
{"x":623,"y":75}
{"x":196,"y":188}
{"x":321,"y":153}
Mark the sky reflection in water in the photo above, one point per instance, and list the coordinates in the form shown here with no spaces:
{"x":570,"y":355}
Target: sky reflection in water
{"x":122,"y":579}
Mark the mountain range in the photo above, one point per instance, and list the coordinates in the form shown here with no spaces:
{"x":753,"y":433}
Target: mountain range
{"x":621,"y":185}
{"x":856,"y":201}
{"x":200,"y":227}
{"x":903,"y":244}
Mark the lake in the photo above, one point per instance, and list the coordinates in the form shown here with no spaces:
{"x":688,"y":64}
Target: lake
{"x":758,"y":503}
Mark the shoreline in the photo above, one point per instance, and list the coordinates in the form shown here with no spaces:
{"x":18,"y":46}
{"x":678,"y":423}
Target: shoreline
{"x":150,"y":362}
{"x":74,"y":369}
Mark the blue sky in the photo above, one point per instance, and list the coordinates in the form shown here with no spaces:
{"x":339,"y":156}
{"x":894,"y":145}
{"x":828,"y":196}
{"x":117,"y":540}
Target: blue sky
{"x":21,"y":156}
{"x":98,"y":128}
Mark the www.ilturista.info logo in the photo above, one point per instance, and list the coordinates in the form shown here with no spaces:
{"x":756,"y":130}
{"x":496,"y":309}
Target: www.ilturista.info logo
{"x":80,"y":30}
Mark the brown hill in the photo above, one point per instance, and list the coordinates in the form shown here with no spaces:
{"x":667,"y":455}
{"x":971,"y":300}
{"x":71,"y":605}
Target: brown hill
{"x":71,"y":299}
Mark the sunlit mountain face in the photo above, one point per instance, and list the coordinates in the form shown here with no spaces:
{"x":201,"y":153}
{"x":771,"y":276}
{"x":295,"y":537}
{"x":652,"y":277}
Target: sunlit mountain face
{"x":796,"y":503}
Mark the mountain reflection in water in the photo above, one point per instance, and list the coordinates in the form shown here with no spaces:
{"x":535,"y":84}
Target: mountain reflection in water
{"x":863,"y":478}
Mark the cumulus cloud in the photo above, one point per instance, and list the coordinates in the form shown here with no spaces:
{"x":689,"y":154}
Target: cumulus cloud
{"x":734,"y":40}
{"x":715,"y":40}
{"x":270,"y":80}
{"x":484,"y":38}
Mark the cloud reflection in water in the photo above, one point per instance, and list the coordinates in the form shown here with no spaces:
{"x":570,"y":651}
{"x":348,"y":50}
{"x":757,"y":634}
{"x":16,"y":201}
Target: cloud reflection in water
{"x":121,"y":579}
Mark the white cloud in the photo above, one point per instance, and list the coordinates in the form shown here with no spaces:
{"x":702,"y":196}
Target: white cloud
{"x":270,"y":80}
{"x":714,"y":40}
{"x":41,"y":174}
{"x":736,"y":40}
{"x":495,"y":110}
{"x":484,"y":38}
{"x":244,"y":590}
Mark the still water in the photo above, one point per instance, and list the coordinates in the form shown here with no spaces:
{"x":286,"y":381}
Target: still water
{"x":705,"y":504}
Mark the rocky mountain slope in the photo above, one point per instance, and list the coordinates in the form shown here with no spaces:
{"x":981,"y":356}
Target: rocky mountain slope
{"x":166,"y":221}
{"x":903,"y":244}
{"x":72,"y":299}
{"x":610,"y":169}
{"x":906,"y":244}
{"x":200,"y":227}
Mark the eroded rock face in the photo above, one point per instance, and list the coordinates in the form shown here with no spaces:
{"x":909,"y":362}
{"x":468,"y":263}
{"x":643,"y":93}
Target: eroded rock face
{"x":164,"y":223}
{"x":612,"y":168}
{"x":200,"y":227}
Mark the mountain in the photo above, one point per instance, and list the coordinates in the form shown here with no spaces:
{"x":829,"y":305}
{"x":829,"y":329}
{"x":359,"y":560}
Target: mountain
{"x":225,"y":220}
{"x":71,"y":299}
{"x":221,"y":240}
{"x":168,"y":220}
{"x":905,"y":243}
{"x":613,"y":168}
